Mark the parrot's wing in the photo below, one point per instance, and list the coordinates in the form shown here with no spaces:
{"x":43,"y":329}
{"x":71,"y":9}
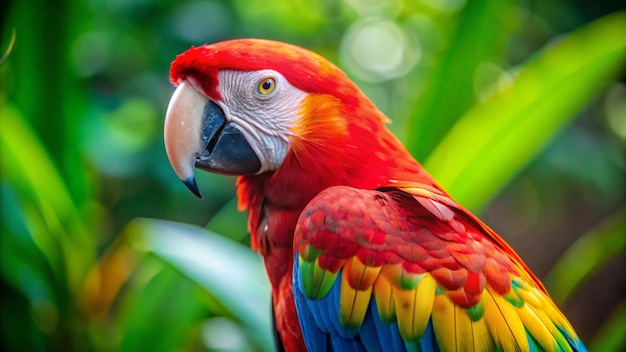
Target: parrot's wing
{"x":405,"y":268}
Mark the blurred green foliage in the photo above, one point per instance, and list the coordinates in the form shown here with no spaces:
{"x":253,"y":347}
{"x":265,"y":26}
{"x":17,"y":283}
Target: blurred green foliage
{"x":517,"y":107}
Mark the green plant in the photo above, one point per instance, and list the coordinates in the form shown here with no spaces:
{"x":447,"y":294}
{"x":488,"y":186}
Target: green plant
{"x":83,"y":167}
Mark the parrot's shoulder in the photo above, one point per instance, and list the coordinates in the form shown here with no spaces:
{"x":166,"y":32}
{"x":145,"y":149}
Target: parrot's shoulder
{"x":404,"y":265}
{"x":414,"y":214}
{"x":413,"y":228}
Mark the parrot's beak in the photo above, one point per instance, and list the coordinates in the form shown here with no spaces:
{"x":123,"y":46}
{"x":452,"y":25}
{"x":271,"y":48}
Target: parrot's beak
{"x":197,"y":134}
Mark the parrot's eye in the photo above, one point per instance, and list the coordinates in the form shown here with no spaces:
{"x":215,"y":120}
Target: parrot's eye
{"x":266,"y":87}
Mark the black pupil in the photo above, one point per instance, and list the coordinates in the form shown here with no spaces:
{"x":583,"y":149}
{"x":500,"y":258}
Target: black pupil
{"x":267,"y":84}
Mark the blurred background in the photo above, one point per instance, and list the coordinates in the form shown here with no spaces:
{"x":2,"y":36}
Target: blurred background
{"x":517,"y":107}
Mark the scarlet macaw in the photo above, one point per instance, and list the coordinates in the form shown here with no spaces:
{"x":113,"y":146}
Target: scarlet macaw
{"x":363,"y":249}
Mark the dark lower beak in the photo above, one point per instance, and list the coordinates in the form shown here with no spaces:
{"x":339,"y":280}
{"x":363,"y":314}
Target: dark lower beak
{"x":225,"y":149}
{"x":198,"y":134}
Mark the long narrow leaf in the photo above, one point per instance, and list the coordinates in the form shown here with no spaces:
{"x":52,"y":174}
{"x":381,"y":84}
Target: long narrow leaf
{"x":231,"y":272}
{"x":586,"y":255}
{"x":612,"y":335}
{"x":165,"y":297}
{"x":494,"y":140}
{"x":54,"y":221}
{"x":450,"y":88}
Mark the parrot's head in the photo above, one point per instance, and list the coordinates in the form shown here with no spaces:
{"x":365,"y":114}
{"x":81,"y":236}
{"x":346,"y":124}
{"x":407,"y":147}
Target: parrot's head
{"x":251,"y":106}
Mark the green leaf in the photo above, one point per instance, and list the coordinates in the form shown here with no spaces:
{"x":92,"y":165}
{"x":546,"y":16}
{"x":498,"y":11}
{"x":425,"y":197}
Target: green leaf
{"x":230,"y":222}
{"x":6,"y":54}
{"x":586,"y":256}
{"x":494,"y":140}
{"x":51,"y":217}
{"x":450,"y":88}
{"x":612,"y":335}
{"x":172,"y":304}
{"x":230,"y":272}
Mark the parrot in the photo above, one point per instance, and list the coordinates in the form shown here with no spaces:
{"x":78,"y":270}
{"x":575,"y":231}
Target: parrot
{"x":363,"y":249}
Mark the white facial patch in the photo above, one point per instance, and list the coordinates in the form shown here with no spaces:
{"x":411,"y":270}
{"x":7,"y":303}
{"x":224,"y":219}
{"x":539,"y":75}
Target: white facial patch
{"x":265,"y":120}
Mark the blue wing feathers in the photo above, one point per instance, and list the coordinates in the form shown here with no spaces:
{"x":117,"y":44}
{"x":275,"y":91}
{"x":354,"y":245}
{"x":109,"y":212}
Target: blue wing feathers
{"x":322,"y":329}
{"x":314,"y":337}
{"x":319,"y":320}
{"x":576,"y":343}
{"x":369,"y":335}
{"x":390,"y":338}
{"x":347,"y":345}
{"x":532,"y":343}
{"x":320,"y":324}
{"x":375,"y":336}
{"x":428,"y":342}
{"x":321,"y":315}
{"x":332,"y":307}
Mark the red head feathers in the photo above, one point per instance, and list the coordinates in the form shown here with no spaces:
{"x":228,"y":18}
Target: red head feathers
{"x":304,"y":69}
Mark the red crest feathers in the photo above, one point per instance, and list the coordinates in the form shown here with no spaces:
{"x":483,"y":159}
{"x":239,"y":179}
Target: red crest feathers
{"x":304,"y":69}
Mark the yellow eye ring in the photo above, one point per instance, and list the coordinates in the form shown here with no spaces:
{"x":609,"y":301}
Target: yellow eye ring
{"x":266,"y":86}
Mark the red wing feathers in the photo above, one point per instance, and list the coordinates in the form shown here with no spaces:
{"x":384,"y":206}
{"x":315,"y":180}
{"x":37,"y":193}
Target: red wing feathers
{"x":409,"y":255}
{"x":393,"y":226}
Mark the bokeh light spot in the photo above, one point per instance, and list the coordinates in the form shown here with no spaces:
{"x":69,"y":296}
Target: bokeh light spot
{"x":89,"y":53}
{"x":223,"y":335}
{"x":378,"y":50}
{"x":445,"y":5}
{"x":377,"y":9}
{"x":202,"y":22}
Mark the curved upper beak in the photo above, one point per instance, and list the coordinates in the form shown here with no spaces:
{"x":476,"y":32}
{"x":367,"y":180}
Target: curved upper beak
{"x":197,"y":134}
